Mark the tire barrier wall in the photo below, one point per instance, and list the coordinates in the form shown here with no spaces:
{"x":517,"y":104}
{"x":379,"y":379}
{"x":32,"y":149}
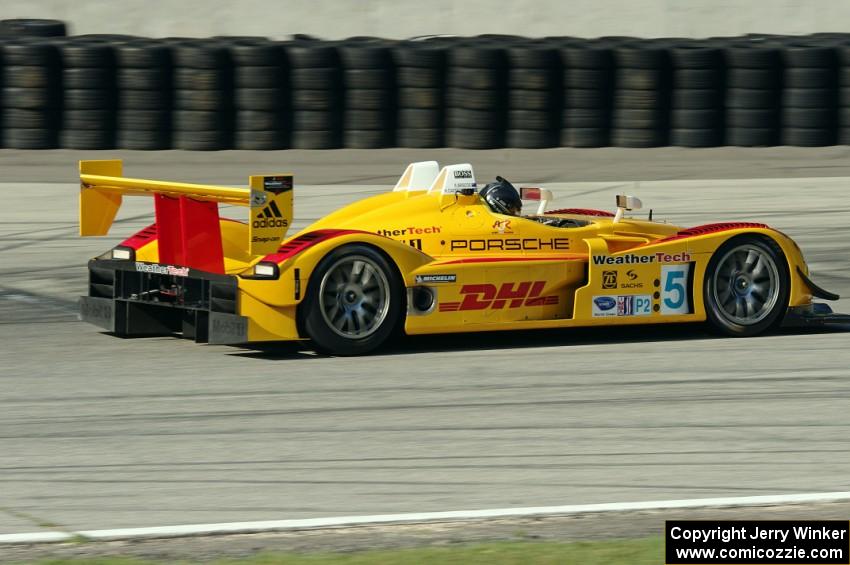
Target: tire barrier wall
{"x":489,"y":91}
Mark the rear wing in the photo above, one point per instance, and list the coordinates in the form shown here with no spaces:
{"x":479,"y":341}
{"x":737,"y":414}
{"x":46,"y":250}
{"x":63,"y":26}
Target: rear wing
{"x":187,"y":214}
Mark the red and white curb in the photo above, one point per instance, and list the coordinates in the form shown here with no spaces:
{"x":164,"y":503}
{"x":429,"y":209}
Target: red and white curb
{"x":417,"y":517}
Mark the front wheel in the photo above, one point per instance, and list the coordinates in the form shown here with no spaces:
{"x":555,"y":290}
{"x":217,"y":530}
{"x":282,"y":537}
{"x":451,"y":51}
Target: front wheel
{"x":354,"y":301}
{"x":746,"y":286}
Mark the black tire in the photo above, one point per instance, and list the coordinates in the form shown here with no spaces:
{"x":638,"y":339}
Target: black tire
{"x":143,"y":54}
{"x":258,"y":99}
{"x":808,"y":97}
{"x":368,"y":78}
{"x":774,"y":260}
{"x":367,"y":120}
{"x":316,"y":120}
{"x":809,"y":56}
{"x":143,"y":140}
{"x":256,"y":52}
{"x":318,"y":139}
{"x":639,"y":79}
{"x":696,"y":98}
{"x":259,"y":140}
{"x":29,"y":138}
{"x":88,"y":119}
{"x":314,"y":321}
{"x":479,"y":79}
{"x":258,"y":120}
{"x":202,"y":100}
{"x":808,"y":137}
{"x":750,"y":57}
{"x":531,"y":119}
{"x":91,"y":77}
{"x":480,"y":55}
{"x":30,"y":77}
{"x":595,"y":79}
{"x":323,"y":78}
{"x":641,"y":56}
{"x":419,"y":55}
{"x":144,"y":99}
{"x":315,"y":99}
{"x":367,"y":139}
{"x":29,"y":54}
{"x":587,"y":56}
{"x":630,"y":118}
{"x":810,"y":78}
{"x":638,"y":99}
{"x":88,"y":99}
{"x":419,"y":137}
{"x":473,"y":99}
{"x":696,"y":119}
{"x":531,"y":138}
{"x":585,"y":137}
{"x":752,"y":118}
{"x":85,"y":54}
{"x":368,"y":99}
{"x":144,"y":120}
{"x":28,"y":119}
{"x":200,"y":79}
{"x":87,"y":139}
{"x":154,"y":78}
{"x":709,"y":137}
{"x":28,"y":27}
{"x":751,"y":98}
{"x":195,"y":120}
{"x":371,"y":55}
{"x":419,"y":77}
{"x":415,"y":118}
{"x":696,"y":57}
{"x":258,"y":77}
{"x":586,"y":98}
{"x":530,"y":99}
{"x":808,"y":117}
{"x":533,"y":79}
{"x":697,"y":78}
{"x":201,"y":54}
{"x":311,"y":54}
{"x":30,"y":98}
{"x":585,"y":118}
{"x":532,"y":56}
{"x":215,"y":140}
{"x":752,"y":137}
{"x":420,"y":97}
{"x":474,"y":138}
{"x":753,"y":78}
{"x":638,"y":137}
{"x":474,"y":119}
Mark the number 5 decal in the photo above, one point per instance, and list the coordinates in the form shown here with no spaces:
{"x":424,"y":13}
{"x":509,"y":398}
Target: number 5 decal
{"x":674,"y":291}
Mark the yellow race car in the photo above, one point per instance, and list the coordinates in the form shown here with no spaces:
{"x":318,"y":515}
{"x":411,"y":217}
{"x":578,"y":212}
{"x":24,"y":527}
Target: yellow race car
{"x":433,"y":255}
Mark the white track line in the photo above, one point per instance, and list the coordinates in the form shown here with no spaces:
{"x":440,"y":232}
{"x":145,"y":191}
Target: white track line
{"x":342,"y":521}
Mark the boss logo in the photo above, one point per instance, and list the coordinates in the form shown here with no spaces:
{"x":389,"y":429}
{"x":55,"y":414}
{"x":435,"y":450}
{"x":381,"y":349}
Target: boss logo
{"x":463,"y":174}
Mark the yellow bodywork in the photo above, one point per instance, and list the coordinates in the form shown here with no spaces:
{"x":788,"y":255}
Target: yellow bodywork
{"x":488,"y":271}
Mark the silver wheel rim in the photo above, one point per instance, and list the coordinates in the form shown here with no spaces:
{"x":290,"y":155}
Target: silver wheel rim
{"x":354,"y":297}
{"x":745,"y":285}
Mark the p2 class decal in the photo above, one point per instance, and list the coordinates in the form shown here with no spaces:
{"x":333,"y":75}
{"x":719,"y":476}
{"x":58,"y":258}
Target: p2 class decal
{"x":421,"y":279}
{"x":507,"y":295}
{"x":621,"y":305}
{"x":674,"y":289}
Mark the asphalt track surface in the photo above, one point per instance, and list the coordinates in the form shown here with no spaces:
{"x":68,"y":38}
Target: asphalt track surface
{"x":100,"y":432}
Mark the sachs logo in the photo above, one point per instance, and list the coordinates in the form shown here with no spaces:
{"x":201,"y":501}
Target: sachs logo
{"x":270,"y":217}
{"x":604,"y":302}
{"x":512,"y":295}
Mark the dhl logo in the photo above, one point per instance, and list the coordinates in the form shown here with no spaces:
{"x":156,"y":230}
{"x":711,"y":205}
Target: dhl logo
{"x":512,"y":295}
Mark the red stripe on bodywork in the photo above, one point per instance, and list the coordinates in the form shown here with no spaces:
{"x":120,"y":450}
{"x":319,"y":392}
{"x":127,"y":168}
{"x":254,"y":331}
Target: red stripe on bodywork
{"x":500,"y":259}
{"x":582,"y":212}
{"x":141,"y":238}
{"x":304,"y":241}
{"x":709,"y":228}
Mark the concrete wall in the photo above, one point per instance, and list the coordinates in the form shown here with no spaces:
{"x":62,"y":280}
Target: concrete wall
{"x":406,"y":18}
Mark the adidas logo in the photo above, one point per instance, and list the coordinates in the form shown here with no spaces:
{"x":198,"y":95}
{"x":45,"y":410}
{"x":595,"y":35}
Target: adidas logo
{"x":270,"y":217}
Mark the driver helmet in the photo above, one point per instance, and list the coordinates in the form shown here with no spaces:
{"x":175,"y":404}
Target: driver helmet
{"x":502,"y":197}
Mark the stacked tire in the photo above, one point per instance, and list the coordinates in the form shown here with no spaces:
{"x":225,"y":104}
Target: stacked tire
{"x":588,"y":70}
{"x":809,"y":95}
{"x":32,"y":28}
{"x":420,"y":74}
{"x":316,"y":90}
{"x":202,"y":95}
{"x":642,"y":95}
{"x":259,"y":94}
{"x":754,"y":86}
{"x":696,"y":112}
{"x":31,"y":96}
{"x":534,"y":86}
{"x":476,"y":95}
{"x":144,"y":78}
{"x":369,"y":79}
{"x":843,"y":52}
{"x":89,"y":94}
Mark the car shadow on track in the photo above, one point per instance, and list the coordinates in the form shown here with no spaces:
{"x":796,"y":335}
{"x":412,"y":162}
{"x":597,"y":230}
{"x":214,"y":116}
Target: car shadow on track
{"x":483,"y":341}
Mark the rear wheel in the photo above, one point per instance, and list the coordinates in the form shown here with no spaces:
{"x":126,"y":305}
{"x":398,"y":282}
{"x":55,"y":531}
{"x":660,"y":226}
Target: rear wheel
{"x":354,"y":301}
{"x":746,"y":286}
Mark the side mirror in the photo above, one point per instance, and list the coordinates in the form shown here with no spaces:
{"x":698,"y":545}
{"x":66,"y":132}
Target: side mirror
{"x":625,"y":203}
